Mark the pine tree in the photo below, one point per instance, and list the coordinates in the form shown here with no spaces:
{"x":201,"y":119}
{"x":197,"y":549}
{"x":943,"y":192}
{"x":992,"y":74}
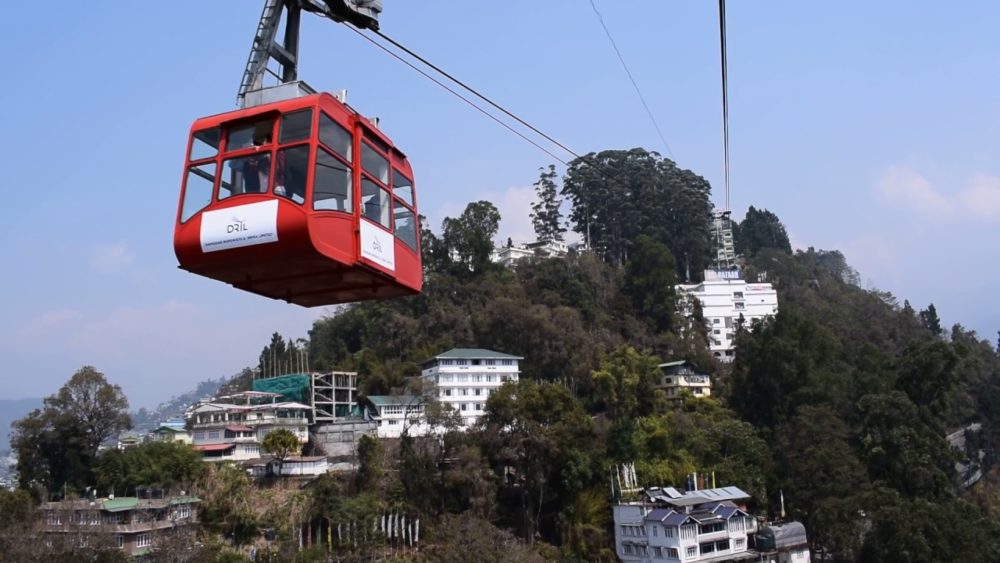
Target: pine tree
{"x":545,"y":214}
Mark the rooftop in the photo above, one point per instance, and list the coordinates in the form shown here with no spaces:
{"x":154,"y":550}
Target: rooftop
{"x":474,"y":354}
{"x":401,"y":400}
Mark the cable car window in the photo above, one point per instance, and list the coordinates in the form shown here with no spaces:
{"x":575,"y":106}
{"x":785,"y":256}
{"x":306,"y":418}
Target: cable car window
{"x":290,"y":169}
{"x":336,"y":137}
{"x":205,"y":144}
{"x":374,"y":163}
{"x":375,"y":202}
{"x":332,"y":183}
{"x":402,"y":187}
{"x":295,"y":126}
{"x":245,"y":175}
{"x":197,"y":189}
{"x":406,"y":226}
{"x":252,"y":134}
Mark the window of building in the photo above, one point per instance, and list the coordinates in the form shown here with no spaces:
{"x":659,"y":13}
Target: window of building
{"x":715,"y":321}
{"x":688,"y":531}
{"x":722,"y":545}
{"x":213,"y":434}
{"x":655,"y":531}
{"x":465,"y":406}
{"x":121,"y":541}
{"x":739,"y":305}
{"x":716,"y":331}
{"x":506,"y":362}
{"x":737,"y":295}
{"x":491,"y":362}
{"x":658,"y":552}
{"x":692,"y":551}
{"x":143,"y":540}
{"x":462,"y":362}
{"x":707,"y":547}
{"x":739,"y":543}
{"x":711,"y":528}
{"x":668,"y":531}
{"x":672,"y":553}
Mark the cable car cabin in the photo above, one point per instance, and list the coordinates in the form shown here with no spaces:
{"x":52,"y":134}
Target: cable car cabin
{"x":302,"y":200}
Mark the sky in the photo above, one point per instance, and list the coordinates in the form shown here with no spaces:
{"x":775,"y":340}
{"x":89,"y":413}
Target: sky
{"x":870,"y":128}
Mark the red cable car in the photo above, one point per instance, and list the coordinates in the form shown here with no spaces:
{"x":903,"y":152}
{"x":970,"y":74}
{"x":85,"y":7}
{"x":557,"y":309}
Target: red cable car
{"x":302,"y":200}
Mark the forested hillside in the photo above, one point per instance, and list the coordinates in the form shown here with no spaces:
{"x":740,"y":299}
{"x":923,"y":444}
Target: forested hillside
{"x":841,"y":402}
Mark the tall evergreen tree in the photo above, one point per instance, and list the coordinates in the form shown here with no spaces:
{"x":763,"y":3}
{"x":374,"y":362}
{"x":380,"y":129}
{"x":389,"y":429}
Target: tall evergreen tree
{"x":760,"y":229}
{"x":929,"y":319}
{"x":545,"y":214}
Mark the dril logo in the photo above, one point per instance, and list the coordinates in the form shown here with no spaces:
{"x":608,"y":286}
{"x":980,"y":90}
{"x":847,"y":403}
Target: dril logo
{"x":377,"y":245}
{"x":237,"y":226}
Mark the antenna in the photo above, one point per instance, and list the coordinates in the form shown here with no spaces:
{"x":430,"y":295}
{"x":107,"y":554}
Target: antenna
{"x":725,"y":97}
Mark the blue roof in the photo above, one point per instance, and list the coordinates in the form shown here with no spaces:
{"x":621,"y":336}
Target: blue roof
{"x":402,"y":400}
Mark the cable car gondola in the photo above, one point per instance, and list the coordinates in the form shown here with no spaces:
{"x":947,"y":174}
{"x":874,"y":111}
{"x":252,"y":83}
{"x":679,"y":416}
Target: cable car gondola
{"x":302,"y":200}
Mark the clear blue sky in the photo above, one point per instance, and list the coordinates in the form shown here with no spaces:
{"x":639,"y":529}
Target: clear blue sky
{"x":869,"y":127}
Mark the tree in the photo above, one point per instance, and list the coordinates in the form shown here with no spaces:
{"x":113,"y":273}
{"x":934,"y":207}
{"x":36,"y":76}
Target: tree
{"x":619,"y":195}
{"x":650,"y":281}
{"x":469,"y":238}
{"x":760,"y":229}
{"x":57,"y":445}
{"x":929,"y":320}
{"x":545,"y":214}
{"x":281,"y":443}
{"x":163,"y":465}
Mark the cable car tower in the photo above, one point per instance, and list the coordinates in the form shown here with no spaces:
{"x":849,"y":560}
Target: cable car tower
{"x":362,"y":14}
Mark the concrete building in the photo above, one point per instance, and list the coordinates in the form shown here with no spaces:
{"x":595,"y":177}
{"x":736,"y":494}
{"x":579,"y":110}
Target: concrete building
{"x":784,"y":542}
{"x":681,"y":376}
{"x":695,"y":526}
{"x":232,"y":427}
{"x":171,"y":431}
{"x":135,"y":525}
{"x":396,"y":414}
{"x":726,"y":301}
{"x":508,"y":256}
{"x":463,"y":378}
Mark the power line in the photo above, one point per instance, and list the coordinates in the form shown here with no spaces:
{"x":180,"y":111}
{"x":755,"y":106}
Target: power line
{"x":642,"y":99}
{"x":463,"y":98}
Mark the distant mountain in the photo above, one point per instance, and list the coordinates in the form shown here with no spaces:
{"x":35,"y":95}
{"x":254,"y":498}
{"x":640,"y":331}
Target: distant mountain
{"x":11,"y":410}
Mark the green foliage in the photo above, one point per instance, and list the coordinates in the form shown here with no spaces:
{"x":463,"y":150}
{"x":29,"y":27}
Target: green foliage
{"x":57,"y":445}
{"x":545,"y":214}
{"x":650,"y":283}
{"x":281,"y":443}
{"x":166,"y":465}
{"x":625,"y":386}
{"x":369,"y":462}
{"x":227,"y":496}
{"x":619,"y":195}
{"x":760,"y":229}
{"x":468,"y":240}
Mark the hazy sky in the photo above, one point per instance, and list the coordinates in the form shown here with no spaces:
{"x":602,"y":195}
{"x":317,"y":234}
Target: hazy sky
{"x":868,"y":127}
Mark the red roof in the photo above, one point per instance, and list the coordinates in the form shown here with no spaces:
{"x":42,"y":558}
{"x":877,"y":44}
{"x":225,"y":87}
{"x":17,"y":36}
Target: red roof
{"x":239,"y":428}
{"x":214,"y":447}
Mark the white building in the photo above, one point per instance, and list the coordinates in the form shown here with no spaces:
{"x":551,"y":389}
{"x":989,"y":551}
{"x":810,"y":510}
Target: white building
{"x":681,"y":376}
{"x":696,"y":526}
{"x":394,"y":414}
{"x":232,"y":427}
{"x":509,"y":255}
{"x":463,"y":378}
{"x":726,"y":300}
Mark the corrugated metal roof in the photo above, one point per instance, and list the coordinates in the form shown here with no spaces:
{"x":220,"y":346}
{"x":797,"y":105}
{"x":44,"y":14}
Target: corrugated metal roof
{"x":403,"y":400}
{"x":117,"y":504}
{"x":475,"y":353}
{"x":214,"y":447}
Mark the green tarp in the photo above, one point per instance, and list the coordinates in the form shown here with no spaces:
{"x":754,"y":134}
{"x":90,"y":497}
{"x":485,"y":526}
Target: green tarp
{"x":294,"y":387}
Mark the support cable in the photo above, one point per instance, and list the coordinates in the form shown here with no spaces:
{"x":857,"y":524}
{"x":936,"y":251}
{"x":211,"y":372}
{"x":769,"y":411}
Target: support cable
{"x":635,"y":85}
{"x":463,"y":98}
{"x":725,"y":96}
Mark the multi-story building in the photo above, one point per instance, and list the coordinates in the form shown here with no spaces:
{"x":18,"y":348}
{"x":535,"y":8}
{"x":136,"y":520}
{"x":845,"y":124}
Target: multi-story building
{"x":695,"y":526}
{"x":509,"y":255}
{"x":681,"y":376}
{"x":134,"y":525}
{"x":232,"y":427}
{"x":463,"y":378}
{"x":171,"y":431}
{"x":397,"y":413}
{"x":726,"y":301}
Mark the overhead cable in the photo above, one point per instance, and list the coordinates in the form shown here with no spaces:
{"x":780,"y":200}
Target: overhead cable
{"x":635,"y":85}
{"x":463,"y":98}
